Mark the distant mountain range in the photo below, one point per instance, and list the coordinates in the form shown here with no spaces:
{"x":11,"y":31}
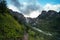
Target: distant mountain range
{"x":48,"y":21}
{"x":47,"y":15}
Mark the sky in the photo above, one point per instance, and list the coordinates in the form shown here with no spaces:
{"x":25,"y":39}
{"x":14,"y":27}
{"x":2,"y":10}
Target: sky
{"x":33,"y":8}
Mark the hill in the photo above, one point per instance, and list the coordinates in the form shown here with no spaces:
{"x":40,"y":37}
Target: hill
{"x":9,"y":27}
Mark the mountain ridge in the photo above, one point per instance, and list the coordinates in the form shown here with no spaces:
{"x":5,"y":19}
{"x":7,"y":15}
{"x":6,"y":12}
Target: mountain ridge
{"x":46,"y":21}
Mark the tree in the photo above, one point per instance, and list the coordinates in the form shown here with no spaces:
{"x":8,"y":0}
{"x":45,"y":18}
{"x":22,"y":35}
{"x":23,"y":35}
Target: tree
{"x":3,"y":6}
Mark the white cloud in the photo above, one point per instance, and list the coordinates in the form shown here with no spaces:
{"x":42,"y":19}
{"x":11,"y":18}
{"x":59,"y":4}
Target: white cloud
{"x":52,"y":7}
{"x":13,"y":8}
{"x":33,"y":14}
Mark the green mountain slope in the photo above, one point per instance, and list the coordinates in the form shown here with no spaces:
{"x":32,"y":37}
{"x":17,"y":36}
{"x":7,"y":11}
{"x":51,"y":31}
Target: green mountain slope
{"x":9,"y":27}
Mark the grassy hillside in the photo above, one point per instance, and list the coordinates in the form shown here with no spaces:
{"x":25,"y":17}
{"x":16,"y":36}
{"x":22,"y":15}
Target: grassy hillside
{"x":9,"y":27}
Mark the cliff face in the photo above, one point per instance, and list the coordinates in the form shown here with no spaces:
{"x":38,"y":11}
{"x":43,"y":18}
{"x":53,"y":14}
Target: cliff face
{"x":50,"y":13}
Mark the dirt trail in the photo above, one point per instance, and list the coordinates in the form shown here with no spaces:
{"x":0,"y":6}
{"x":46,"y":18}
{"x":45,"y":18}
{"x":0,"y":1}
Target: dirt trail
{"x":25,"y":36}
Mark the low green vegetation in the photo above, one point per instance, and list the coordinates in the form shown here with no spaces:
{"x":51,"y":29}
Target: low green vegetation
{"x":9,"y":27}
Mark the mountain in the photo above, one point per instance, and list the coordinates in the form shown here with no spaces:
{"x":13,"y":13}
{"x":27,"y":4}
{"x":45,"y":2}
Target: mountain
{"x":49,"y":14}
{"x":14,"y":26}
{"x":48,"y":21}
{"x":45,"y":15}
{"x":29,"y":31}
{"x":19,"y":16}
{"x":45,"y":27}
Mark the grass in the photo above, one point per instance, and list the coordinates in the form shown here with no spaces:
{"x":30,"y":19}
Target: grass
{"x":9,"y":27}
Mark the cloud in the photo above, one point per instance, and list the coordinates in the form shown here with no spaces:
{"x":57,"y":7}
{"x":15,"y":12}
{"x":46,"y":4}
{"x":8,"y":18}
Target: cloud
{"x":33,"y":14}
{"x":55,"y":7}
{"x":26,"y":7}
{"x":13,"y":8}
